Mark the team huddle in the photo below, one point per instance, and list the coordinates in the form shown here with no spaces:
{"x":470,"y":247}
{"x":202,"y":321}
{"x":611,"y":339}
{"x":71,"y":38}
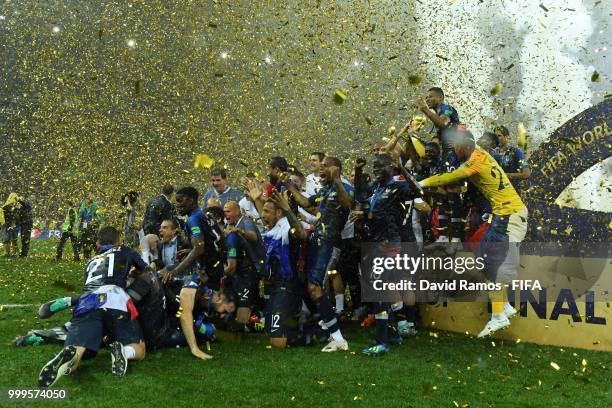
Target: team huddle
{"x":280,"y":256}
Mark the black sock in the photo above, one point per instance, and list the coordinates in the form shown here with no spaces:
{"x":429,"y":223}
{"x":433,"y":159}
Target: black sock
{"x":457,"y":216}
{"x":443,"y":214}
{"x":295,"y":338}
{"x":326,"y":311}
{"x":382,"y":329}
{"x":411,"y":313}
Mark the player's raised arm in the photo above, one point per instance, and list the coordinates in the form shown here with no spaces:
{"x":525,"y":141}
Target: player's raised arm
{"x":282,"y":202}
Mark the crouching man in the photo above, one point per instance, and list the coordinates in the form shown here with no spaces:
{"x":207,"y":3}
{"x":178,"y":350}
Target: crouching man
{"x":104,"y":309}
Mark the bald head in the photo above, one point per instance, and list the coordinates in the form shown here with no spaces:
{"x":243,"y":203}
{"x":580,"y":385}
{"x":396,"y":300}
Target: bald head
{"x":213,"y":202}
{"x":231,"y":209}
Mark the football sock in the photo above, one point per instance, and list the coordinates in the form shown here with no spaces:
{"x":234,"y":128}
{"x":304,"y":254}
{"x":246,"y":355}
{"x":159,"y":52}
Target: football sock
{"x":129,"y":352}
{"x":329,"y":317}
{"x":411,"y":313}
{"x":444,"y":211}
{"x":497,"y":302}
{"x":339,"y":303}
{"x":61,"y":304}
{"x":382,"y":330}
{"x":457,"y":216}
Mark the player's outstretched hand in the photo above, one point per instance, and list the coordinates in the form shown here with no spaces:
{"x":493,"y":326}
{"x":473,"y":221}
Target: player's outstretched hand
{"x":281,"y":200}
{"x":360,"y":163}
{"x":200,"y":354}
{"x":254,"y":188}
{"x":165,"y":275}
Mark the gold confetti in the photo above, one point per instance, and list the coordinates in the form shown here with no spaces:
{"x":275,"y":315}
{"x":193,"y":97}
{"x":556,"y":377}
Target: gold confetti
{"x":203,"y":161}
{"x":339,"y":97}
{"x":555,"y":366}
{"x":496,"y":90}
{"x":522,"y":136}
{"x":414,"y":79}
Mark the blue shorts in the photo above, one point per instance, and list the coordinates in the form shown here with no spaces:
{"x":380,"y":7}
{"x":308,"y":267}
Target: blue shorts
{"x":191,"y":281}
{"x":319,"y":254}
{"x":282,"y":310}
{"x":500,"y":246}
{"x":89,"y":329}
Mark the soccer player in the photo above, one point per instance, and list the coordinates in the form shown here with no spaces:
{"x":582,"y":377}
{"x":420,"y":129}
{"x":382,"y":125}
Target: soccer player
{"x":104,"y":309}
{"x":247,"y":206}
{"x":159,"y":208}
{"x":282,"y":240}
{"x":313,"y":183}
{"x":511,"y":158}
{"x":508,"y":224}
{"x":206,"y":251}
{"x":334,"y":202}
{"x":386,"y":210}
{"x":242,"y":260}
{"x":156,"y":313}
{"x":444,"y":117}
{"x":276,"y":167}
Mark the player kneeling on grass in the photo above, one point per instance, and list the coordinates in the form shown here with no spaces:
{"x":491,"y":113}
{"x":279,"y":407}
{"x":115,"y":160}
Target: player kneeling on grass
{"x":282,"y":242}
{"x":104,"y":309}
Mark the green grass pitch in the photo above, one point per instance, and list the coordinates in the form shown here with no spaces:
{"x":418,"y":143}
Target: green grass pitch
{"x":432,"y":369}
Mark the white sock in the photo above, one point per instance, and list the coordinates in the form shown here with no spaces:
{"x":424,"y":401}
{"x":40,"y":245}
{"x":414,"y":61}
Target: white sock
{"x":129,"y":352}
{"x":340,"y":303}
{"x":337,"y":336}
{"x":305,"y":309}
{"x":442,"y":238}
{"x":508,"y":307}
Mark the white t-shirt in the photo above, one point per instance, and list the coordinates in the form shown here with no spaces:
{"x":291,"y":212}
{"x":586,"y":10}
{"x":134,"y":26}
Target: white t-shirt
{"x":248,"y":208}
{"x":312,"y":186}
